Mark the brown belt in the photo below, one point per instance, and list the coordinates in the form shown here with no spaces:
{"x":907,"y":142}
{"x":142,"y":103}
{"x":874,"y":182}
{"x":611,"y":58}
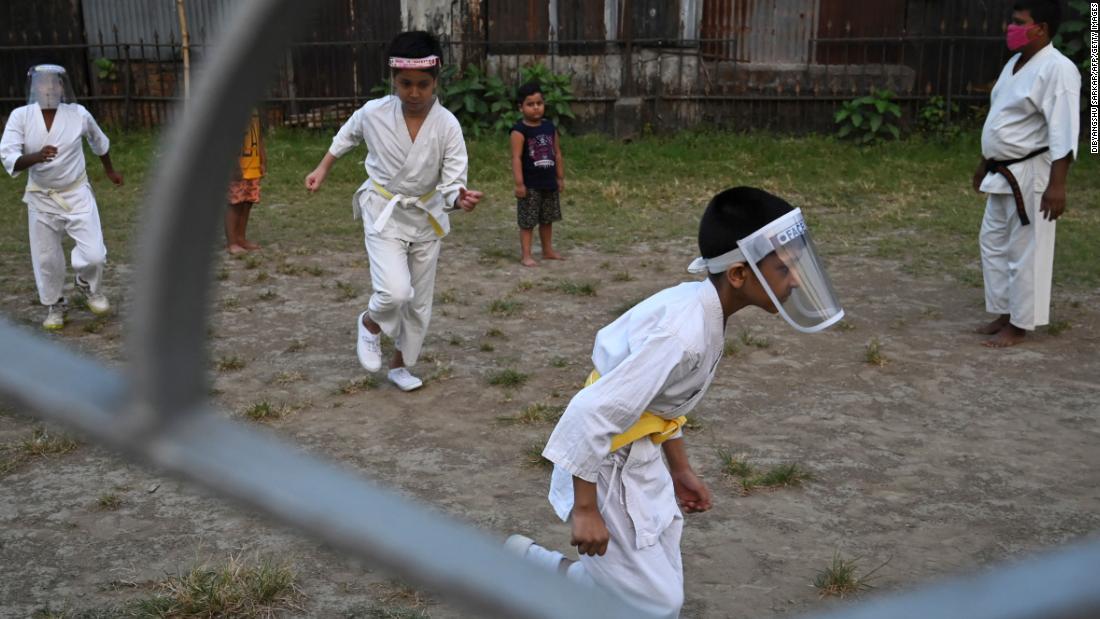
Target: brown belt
{"x":992,"y":166}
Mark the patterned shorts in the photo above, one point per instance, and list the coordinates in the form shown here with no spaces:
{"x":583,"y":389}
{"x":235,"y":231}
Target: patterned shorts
{"x":541,"y":206}
{"x":244,"y":190}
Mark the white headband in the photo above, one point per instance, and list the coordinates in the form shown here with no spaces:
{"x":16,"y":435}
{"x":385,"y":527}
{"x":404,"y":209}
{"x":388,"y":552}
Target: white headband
{"x":717,"y":264}
{"x":414,"y":63}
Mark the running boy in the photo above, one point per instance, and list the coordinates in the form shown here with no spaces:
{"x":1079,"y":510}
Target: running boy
{"x":44,"y":136}
{"x":244,"y":191}
{"x":539,"y":173}
{"x":417,"y":164}
{"x":653,"y":365}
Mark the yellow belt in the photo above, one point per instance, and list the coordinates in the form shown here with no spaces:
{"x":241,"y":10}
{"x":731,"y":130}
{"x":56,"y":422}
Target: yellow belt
{"x":56,"y":194}
{"x":657,"y":428}
{"x":384,"y":216}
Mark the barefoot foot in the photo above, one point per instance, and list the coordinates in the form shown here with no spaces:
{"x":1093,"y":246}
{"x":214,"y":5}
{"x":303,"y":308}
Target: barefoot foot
{"x":235,"y":249}
{"x":1009,"y":335}
{"x":528,"y":262}
{"x":994,"y":326}
{"x":249,"y":245}
{"x":551,"y":255}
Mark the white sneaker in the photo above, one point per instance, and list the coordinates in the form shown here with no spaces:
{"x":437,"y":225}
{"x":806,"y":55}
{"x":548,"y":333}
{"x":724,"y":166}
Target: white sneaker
{"x":369,"y":347}
{"x":55,"y":317}
{"x":97,"y":302}
{"x":525,"y":548}
{"x":404,"y":380}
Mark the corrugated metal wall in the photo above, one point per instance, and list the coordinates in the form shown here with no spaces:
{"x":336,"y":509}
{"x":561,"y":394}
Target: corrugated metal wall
{"x":154,"y":23}
{"x":760,"y":31}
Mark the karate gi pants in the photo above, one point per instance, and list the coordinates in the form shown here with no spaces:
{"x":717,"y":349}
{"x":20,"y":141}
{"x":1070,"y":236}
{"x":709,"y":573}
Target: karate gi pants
{"x":48,"y":255}
{"x":402,"y":274}
{"x":650,"y":577}
{"x":1017,"y":260}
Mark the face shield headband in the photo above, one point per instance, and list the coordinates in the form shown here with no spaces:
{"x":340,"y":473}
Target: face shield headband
{"x":48,"y":86}
{"x":805,"y":296}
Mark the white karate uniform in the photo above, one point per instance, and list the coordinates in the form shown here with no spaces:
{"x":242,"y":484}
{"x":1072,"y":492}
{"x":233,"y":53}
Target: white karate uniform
{"x":59,"y":197}
{"x":1037,"y":106}
{"x":402,"y":242}
{"x":661,"y":357}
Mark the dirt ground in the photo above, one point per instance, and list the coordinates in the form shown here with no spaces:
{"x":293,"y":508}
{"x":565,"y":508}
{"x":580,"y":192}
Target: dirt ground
{"x":946,"y":458}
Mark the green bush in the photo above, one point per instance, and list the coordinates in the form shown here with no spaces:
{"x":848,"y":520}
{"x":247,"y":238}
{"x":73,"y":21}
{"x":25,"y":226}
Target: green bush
{"x":939,"y":120}
{"x":1073,"y":35}
{"x":483,"y":102}
{"x":867,"y":119}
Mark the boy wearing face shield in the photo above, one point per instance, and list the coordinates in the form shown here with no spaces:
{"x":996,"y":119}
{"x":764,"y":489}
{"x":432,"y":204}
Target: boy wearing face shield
{"x":652,"y":366}
{"x":417,"y":164}
{"x":1028,"y":142}
{"x":44,"y":137}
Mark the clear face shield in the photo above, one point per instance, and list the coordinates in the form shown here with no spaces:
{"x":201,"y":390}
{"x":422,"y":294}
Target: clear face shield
{"x":783,"y":257}
{"x":48,"y":85}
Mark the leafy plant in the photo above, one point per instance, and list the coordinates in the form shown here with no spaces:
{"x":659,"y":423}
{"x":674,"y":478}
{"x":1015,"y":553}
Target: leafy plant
{"x":867,"y":118}
{"x":935,"y":119}
{"x":1073,"y":35}
{"x":105,"y":69}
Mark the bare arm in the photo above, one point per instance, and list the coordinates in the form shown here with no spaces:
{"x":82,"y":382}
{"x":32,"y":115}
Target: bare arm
{"x":590,"y":534}
{"x":559,"y":161}
{"x":317,"y":176}
{"x":46,"y":154}
{"x":691,"y":493}
{"x":109,"y":169}
{"x":517,"y":164}
{"x":1053,"y":203}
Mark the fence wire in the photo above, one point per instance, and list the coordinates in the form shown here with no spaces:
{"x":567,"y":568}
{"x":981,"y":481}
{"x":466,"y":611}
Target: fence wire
{"x":154,"y":410}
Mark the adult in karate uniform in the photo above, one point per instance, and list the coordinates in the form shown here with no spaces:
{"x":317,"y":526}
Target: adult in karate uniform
{"x":652,"y":366}
{"x":417,"y":164}
{"x":1028,"y":142}
{"x":44,"y":137}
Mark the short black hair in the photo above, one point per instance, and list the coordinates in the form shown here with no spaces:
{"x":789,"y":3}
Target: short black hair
{"x":527,"y":90}
{"x":735,"y":214}
{"x":1047,"y":12}
{"x":415,"y":44}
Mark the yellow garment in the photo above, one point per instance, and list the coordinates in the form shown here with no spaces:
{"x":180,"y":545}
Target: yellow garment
{"x":385,"y":193}
{"x":57,"y":194}
{"x":250,"y":160}
{"x":657,"y":428}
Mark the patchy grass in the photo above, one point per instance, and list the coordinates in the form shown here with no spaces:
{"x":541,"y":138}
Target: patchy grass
{"x":507,"y":378}
{"x":534,"y":414}
{"x":751,"y":478}
{"x":532,"y":456}
{"x":505,"y":307}
{"x":494,"y":332}
{"x":346,"y":291}
{"x":559,"y":362}
{"x":288,"y":377}
{"x":268,"y":295}
{"x":1058,"y":327}
{"x":109,"y":502}
{"x":845,"y":325}
{"x":359,"y":385}
{"x":399,"y":596}
{"x":524,"y":285}
{"x":622,"y":276}
{"x":579,"y":289}
{"x":486,"y":347}
{"x":221,"y":275}
{"x":447,"y":297}
{"x":296,"y":346}
{"x":251,"y":261}
{"x":626,"y":306}
{"x":95,"y":326}
{"x":752,"y":341}
{"x":261,"y":277}
{"x":872,"y":355}
{"x":730,"y":348}
{"x":231,"y":363}
{"x":265,"y":411}
{"x":231,"y":303}
{"x":841,"y":578}
{"x":235,"y":589}
{"x":42,"y":443}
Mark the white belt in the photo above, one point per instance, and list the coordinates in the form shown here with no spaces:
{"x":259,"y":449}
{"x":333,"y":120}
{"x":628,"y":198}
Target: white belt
{"x":56,"y":194}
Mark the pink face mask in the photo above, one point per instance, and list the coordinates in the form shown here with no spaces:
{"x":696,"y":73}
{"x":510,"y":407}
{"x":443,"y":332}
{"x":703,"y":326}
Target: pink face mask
{"x":1016,"y":36}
